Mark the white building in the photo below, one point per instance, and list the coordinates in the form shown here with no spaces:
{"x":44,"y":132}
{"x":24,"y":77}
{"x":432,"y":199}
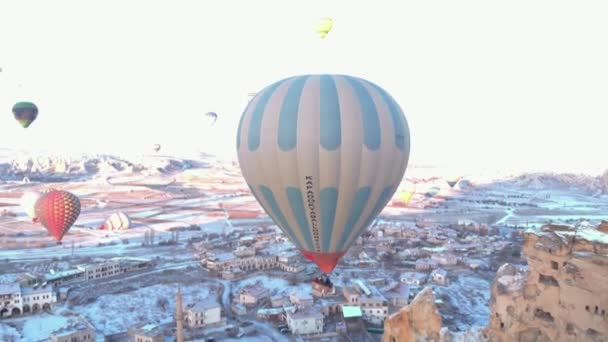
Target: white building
{"x":304,"y":322}
{"x":373,"y":304}
{"x":107,"y":268}
{"x":10,"y":300}
{"x":351,"y":295}
{"x":374,"y":308}
{"x":301,"y":299}
{"x":440,"y":276}
{"x":252,"y":295}
{"x":445,"y":259}
{"x":102,"y":269}
{"x":244,"y":251}
{"x":413,"y":278}
{"x":399,"y":296}
{"x":426,"y":264}
{"x":147,"y":333}
{"x":203,"y":313}
{"x":37,"y":299}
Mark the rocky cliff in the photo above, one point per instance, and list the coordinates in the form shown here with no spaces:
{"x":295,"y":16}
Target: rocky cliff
{"x":563,"y":293}
{"x":418,"y":321}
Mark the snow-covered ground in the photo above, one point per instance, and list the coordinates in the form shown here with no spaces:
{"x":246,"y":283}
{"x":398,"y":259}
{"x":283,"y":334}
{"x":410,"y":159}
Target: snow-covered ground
{"x":162,"y":192}
{"x":8,"y":333}
{"x":468,"y":301}
{"x":276,"y":286}
{"x":118,"y":312}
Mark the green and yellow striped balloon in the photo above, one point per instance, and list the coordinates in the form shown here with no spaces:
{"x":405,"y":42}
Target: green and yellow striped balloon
{"x":25,"y":113}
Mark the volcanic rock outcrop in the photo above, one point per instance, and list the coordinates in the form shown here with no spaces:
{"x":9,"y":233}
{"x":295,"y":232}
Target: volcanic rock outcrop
{"x":563,"y":293}
{"x":418,"y":321}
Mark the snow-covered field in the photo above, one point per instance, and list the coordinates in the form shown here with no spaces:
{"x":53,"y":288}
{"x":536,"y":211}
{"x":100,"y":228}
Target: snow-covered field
{"x":276,"y":286}
{"x":467,"y":302}
{"x":155,"y":304}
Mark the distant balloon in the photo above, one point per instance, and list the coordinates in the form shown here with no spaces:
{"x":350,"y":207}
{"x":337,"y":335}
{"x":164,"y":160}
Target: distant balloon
{"x":453,"y":181}
{"x":28,"y":204}
{"x":323,"y":155}
{"x":406,"y":196}
{"x":57,"y":210}
{"x":25,"y":113}
{"x":156,"y":147}
{"x":406,"y":192}
{"x":324,"y":26}
{"x":117,"y":221}
{"x":432,"y":191}
{"x":211,"y":118}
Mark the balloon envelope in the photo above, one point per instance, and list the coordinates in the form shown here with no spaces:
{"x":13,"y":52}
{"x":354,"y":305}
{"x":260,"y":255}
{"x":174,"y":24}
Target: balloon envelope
{"x":25,"y":113}
{"x":324,"y":26}
{"x":211,"y":117}
{"x":406,"y":196}
{"x":453,"y":181}
{"x":117,"y":221}
{"x":432,"y":191}
{"x":57,"y":210}
{"x":323,"y":154}
{"x":28,"y":203}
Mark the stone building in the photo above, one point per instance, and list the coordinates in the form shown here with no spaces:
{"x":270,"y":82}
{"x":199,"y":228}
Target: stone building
{"x":74,"y":331}
{"x":203,"y":313}
{"x":10,"y":300}
{"x":147,"y":333}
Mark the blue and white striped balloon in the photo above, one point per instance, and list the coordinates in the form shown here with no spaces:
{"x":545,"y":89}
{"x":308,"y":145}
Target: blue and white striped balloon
{"x":323,"y":154}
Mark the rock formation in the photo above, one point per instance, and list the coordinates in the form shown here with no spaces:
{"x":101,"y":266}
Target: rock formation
{"x":563,"y":293}
{"x":418,"y":321}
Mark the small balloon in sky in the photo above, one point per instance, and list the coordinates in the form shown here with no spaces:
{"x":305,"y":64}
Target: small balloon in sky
{"x":323,"y":27}
{"x":25,"y":113}
{"x":211,"y":118}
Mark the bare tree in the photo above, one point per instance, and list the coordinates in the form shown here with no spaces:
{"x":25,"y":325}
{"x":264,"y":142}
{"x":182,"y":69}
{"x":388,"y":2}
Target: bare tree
{"x":162,"y":303}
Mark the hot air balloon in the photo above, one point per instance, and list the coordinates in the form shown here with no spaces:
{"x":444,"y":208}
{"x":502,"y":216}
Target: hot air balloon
{"x":25,"y":113}
{"x":117,"y":221}
{"x":211,"y":118}
{"x":324,"y":26}
{"x":453,"y":181}
{"x":323,"y":155}
{"x":406,"y":192}
{"x":156,"y":147}
{"x":406,"y":196}
{"x":28,"y":204}
{"x":57,"y":210}
{"x":432,"y":191}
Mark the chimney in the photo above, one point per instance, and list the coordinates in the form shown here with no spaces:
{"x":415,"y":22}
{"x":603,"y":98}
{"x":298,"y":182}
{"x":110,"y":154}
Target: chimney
{"x":179,"y":319}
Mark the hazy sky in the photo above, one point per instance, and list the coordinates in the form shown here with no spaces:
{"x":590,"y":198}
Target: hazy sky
{"x":483,"y":83}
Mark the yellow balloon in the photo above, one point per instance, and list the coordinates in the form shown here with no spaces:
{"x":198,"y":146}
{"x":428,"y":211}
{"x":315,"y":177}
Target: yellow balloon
{"x":406,"y":196}
{"x":324,"y":26}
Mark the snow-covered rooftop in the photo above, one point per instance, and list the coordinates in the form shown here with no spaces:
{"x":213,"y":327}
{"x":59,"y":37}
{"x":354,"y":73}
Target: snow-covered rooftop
{"x":9,"y":289}
{"x":71,"y":328}
{"x":204,"y":305}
